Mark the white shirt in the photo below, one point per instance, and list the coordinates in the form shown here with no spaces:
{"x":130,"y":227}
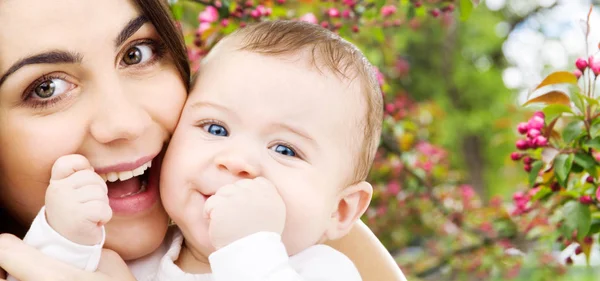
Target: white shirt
{"x":257,"y":257}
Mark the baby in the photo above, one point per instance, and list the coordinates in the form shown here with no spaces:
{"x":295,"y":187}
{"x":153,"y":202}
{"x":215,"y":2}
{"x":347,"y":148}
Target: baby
{"x":268,"y":161}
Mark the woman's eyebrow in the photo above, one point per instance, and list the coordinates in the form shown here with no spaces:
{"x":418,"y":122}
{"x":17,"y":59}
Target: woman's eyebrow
{"x":55,"y":56}
{"x":58,"y":56}
{"x":130,"y":29}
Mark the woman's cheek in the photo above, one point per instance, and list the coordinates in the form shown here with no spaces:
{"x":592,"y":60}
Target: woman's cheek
{"x":28,"y":148}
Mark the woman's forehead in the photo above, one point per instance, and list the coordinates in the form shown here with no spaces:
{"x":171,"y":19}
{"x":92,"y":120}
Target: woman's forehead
{"x":29,"y":27}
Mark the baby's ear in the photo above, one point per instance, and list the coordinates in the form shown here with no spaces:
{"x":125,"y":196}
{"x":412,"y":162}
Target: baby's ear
{"x":352,"y":203}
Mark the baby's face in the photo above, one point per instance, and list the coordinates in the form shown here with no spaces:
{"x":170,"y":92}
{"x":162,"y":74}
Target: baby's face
{"x":251,"y":115}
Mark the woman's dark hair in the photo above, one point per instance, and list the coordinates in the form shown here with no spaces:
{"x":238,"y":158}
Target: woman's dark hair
{"x":158,"y":13}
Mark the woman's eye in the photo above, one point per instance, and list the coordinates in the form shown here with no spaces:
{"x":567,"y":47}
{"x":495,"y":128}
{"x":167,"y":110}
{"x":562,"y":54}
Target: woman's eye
{"x":216,"y":130}
{"x":51,"y":88}
{"x":138,"y":54}
{"x":282,"y":149}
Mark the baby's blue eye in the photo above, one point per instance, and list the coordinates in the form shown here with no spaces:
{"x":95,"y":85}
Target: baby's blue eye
{"x":216,"y":130}
{"x":282,"y":149}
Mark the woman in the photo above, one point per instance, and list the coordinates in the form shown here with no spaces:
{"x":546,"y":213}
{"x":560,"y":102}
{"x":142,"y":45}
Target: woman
{"x":106,"y":81}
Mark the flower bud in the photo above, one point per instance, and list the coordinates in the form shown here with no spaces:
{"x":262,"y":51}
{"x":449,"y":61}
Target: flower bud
{"x":515,"y":156}
{"x":522,"y":144}
{"x":588,"y":240}
{"x":577,"y":73}
{"x":533,"y":133}
{"x":435,"y":12}
{"x":585,"y":199}
{"x":578,"y":250}
{"x":589,"y":179}
{"x":541,"y":141}
{"x":527,"y":160}
{"x":523,"y":128}
{"x":581,"y":64}
{"x":527,"y":168}
{"x":539,"y":114}
{"x":555,"y":186}
{"x":569,"y":261}
{"x":536,"y":122}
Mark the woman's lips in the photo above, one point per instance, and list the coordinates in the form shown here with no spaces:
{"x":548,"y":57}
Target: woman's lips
{"x":124,"y":204}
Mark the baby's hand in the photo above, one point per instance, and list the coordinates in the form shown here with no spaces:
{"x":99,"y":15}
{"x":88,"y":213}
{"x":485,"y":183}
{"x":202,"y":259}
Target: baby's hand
{"x":77,"y":201}
{"x":243,"y":208}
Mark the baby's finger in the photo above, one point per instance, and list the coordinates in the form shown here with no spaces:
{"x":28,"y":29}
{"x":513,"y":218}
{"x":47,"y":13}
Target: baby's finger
{"x":88,"y":193}
{"x":84,"y":178}
{"x":98,"y":212}
{"x":264,"y":182}
{"x":210,"y":204}
{"x":227,"y":190}
{"x":69,"y":164}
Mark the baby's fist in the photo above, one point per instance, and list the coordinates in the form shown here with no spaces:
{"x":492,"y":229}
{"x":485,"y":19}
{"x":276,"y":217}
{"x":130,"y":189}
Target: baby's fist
{"x":76,"y":201}
{"x":243,"y":208}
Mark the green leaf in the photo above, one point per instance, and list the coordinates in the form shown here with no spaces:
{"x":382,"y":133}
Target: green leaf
{"x":577,"y":216}
{"x":591,"y":101}
{"x":593,"y":143}
{"x":542,"y":193}
{"x":595,"y":226}
{"x":587,"y":162}
{"x":535,"y":169}
{"x":578,"y":101}
{"x":595,"y":130}
{"x":177,"y":11}
{"x":572,"y":131}
{"x":562,"y":167}
{"x":411,"y":12}
{"x":378,"y":35}
{"x":555,"y":110}
{"x":466,"y":7}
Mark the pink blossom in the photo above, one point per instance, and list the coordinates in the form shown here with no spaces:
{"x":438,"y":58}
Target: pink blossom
{"x":310,"y":17}
{"x":210,"y":14}
{"x":390,"y":108}
{"x":393,"y":188}
{"x":381,"y":210}
{"x":577,"y":73}
{"x":262,"y":10}
{"x":204,"y":26}
{"x":349,"y":3}
{"x":598,"y":193}
{"x":255,"y":14}
{"x":333,"y":12}
{"x":389,"y":10}
{"x":346,"y":14}
{"x":467,"y":192}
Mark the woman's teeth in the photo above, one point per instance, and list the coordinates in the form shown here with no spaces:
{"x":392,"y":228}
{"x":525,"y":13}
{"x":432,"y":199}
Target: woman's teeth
{"x":125,"y":175}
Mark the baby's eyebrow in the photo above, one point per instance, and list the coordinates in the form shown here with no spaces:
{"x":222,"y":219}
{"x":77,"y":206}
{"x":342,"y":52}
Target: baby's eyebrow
{"x":295,"y":130}
{"x":201,"y":104}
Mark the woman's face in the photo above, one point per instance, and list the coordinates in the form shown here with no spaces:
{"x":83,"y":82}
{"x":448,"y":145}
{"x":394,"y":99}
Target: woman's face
{"x":89,"y":78}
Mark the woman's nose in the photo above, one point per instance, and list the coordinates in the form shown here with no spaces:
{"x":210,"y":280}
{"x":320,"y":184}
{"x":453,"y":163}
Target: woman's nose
{"x":119,"y":116}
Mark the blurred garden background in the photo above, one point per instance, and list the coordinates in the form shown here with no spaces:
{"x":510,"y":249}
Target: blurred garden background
{"x":455,"y":199}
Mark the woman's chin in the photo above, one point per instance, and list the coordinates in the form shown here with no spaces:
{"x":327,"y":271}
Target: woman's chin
{"x":135,"y":237}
